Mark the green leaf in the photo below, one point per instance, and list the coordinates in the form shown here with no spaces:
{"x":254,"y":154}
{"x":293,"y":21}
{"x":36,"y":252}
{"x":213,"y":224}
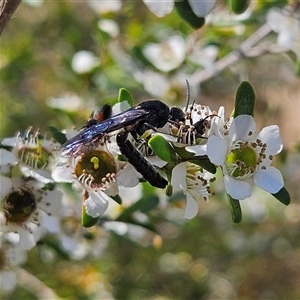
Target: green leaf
{"x":117,"y":198}
{"x":162,"y":148}
{"x":205,"y":163}
{"x":185,"y":12}
{"x":124,"y":95}
{"x":236,"y":210}
{"x":150,"y":204}
{"x":238,"y":6}
{"x":185,"y":155}
{"x":169,"y":190}
{"x":87,"y":220}
{"x":298,"y":67}
{"x":52,"y":242}
{"x":283,"y":196}
{"x":245,"y":100}
{"x":58,"y":135}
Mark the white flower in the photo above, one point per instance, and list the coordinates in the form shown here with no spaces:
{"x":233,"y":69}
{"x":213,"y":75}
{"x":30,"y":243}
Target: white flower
{"x":245,"y":157}
{"x":32,"y":152}
{"x":97,"y":173}
{"x":25,"y":205}
{"x":288,"y":28}
{"x":194,"y":183}
{"x":168,"y":55}
{"x":84,"y":62}
{"x":162,"y":8}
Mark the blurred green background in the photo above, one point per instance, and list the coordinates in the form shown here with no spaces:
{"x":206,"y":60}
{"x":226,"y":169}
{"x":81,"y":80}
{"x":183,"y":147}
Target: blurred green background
{"x":207,"y":257}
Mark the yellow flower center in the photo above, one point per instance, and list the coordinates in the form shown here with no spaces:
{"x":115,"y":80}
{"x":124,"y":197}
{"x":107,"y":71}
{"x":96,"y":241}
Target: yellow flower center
{"x":34,"y":157}
{"x":95,"y":168}
{"x":242,"y":160}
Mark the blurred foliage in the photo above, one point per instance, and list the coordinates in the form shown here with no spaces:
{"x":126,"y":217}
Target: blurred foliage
{"x":208,"y":257}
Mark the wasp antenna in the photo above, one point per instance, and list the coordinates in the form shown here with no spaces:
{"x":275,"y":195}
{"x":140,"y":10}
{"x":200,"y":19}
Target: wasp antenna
{"x":188,"y":94}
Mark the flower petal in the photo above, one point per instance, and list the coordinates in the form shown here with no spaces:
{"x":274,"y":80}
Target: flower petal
{"x":7,"y":157}
{"x":201,"y":8}
{"x":62,"y":172}
{"x":240,"y":127}
{"x":160,"y":8}
{"x":217,"y":150}
{"x":197,"y":149}
{"x":271,"y":136}
{"x":12,"y":141}
{"x":51,"y":202}
{"x":191,"y":208}
{"x":96,"y":204}
{"x":269,"y":179}
{"x":27,"y":239}
{"x":178,"y":179}
{"x":128,"y":176}
{"x":6,"y":185}
{"x":237,"y":189}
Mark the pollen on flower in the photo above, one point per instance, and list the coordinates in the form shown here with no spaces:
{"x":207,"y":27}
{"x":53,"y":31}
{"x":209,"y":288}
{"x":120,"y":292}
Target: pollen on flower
{"x":31,"y":150}
{"x":19,"y":205}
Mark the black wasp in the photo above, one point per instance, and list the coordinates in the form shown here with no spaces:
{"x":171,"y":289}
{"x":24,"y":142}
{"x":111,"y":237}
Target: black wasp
{"x":150,"y":114}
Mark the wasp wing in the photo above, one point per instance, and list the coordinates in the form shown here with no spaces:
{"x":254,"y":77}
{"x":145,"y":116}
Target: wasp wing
{"x":93,"y":134}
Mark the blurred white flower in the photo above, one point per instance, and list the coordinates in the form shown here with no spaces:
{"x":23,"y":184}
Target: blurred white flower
{"x":203,"y":7}
{"x":245,"y":157}
{"x":77,"y":240}
{"x":67,"y":102}
{"x":168,"y":55}
{"x":104,"y":6}
{"x":204,"y":56}
{"x":84,"y":62}
{"x":154,"y":83}
{"x":162,"y":8}
{"x":109,"y":26}
{"x":34,"y":3}
{"x":287,"y":26}
{"x":24,"y":207}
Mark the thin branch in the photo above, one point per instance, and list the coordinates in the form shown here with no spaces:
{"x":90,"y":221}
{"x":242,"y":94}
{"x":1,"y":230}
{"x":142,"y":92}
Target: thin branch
{"x":232,"y":57}
{"x":35,"y":286}
{"x":7,"y":9}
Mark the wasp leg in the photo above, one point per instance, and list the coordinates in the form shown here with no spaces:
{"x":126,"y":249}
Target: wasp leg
{"x":139,"y":162}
